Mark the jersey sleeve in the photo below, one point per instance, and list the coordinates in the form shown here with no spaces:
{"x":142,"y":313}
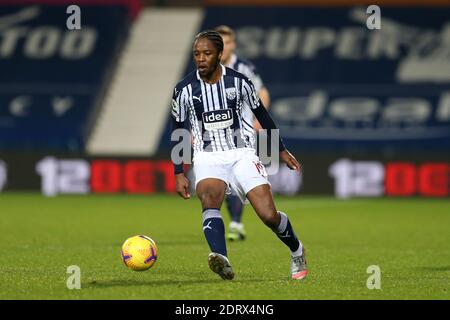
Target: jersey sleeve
{"x":179,"y":105}
{"x":249,"y":95}
{"x":257,"y":81}
{"x":256,"y":106}
{"x":178,"y":113}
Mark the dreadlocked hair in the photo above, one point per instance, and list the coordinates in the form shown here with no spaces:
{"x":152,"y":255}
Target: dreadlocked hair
{"x":212,"y":36}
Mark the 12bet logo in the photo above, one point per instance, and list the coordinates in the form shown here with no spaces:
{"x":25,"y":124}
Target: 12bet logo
{"x":399,"y":179}
{"x":78,"y":176}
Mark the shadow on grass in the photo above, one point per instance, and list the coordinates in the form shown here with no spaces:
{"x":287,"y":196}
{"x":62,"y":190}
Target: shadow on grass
{"x":159,"y":282}
{"x":135,"y":283}
{"x":442,"y":268}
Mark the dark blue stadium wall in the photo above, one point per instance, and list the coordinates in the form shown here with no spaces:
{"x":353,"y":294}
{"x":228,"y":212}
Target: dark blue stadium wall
{"x":338,"y":87}
{"x":52,"y":78}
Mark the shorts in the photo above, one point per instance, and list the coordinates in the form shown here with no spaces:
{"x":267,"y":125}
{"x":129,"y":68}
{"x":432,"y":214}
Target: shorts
{"x":241,"y":170}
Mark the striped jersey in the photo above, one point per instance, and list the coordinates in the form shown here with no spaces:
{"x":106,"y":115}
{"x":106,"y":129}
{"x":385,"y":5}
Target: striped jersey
{"x":215,"y":111}
{"x":248,"y":69}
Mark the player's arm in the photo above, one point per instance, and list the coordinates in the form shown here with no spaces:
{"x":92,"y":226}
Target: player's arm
{"x":177,"y":122}
{"x":182,"y":183}
{"x":264,"y":95}
{"x":267,"y":123}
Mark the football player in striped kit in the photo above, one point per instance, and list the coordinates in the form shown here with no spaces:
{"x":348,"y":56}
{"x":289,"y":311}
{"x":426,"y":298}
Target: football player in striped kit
{"x":236,"y":230}
{"x":212,"y":99}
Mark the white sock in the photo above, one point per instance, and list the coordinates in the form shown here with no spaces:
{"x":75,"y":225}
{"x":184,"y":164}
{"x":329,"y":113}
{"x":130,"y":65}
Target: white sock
{"x":299,"y":251}
{"x":236,"y":225}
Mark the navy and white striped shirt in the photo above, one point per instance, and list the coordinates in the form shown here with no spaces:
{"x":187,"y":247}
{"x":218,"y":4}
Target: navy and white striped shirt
{"x":215,"y":111}
{"x":248,"y":69}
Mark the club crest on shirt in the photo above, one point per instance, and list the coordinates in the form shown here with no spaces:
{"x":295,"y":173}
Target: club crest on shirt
{"x":231,"y":93}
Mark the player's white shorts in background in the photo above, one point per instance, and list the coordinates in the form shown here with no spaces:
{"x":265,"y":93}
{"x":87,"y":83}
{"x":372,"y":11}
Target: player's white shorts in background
{"x":240,"y":169}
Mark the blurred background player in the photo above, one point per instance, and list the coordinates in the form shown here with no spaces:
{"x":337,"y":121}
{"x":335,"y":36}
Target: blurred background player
{"x":236,"y":230}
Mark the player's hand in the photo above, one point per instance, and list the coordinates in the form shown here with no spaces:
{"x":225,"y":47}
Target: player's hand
{"x":290,"y":160}
{"x":182,"y":186}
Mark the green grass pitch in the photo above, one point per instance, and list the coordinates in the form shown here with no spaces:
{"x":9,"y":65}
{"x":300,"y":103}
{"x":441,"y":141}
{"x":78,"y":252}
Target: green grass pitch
{"x":409,"y":239}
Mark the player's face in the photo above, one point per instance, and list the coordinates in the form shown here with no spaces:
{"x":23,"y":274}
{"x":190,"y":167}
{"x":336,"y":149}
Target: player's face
{"x":206,"y":57}
{"x":228,"y":48}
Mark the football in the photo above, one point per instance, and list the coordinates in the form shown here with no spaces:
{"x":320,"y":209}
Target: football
{"x":139,"y":253}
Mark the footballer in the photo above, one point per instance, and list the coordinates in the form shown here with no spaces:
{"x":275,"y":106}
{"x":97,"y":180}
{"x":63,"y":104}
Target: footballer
{"x":212,"y":98}
{"x":236,"y":230}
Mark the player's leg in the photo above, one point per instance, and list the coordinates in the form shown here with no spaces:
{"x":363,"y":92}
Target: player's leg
{"x":249,"y":179}
{"x":235,"y":207}
{"x":262,"y":201}
{"x":211,"y":192}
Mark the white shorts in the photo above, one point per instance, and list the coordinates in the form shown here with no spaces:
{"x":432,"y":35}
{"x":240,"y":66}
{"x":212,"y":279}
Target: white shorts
{"x":240,"y":169}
